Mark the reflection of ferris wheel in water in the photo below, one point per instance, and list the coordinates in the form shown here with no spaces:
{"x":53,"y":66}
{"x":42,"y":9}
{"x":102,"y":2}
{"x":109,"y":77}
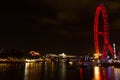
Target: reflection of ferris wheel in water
{"x":104,"y":33}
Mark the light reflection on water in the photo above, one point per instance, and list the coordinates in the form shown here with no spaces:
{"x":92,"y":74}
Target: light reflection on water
{"x":81,"y":71}
{"x":97,"y":73}
{"x":106,"y":73}
{"x":56,"y":71}
{"x":117,"y":73}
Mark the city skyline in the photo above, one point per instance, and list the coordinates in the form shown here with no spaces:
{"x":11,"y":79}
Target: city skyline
{"x":54,"y":24}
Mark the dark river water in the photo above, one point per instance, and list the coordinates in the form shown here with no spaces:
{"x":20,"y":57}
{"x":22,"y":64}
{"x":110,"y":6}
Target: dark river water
{"x":56,"y":71}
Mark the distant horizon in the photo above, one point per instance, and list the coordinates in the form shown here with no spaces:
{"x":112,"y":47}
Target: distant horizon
{"x":71,"y":51}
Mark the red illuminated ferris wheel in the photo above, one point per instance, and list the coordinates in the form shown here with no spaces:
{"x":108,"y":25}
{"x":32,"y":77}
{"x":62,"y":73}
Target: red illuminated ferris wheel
{"x":104,"y":33}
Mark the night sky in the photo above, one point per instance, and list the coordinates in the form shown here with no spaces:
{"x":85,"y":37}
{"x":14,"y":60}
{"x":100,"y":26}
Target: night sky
{"x":54,"y":24}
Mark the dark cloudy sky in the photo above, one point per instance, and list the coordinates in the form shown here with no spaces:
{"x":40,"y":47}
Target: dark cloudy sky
{"x":39,"y":24}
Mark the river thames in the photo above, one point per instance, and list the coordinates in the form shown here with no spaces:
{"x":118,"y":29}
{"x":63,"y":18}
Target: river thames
{"x":56,"y":71}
